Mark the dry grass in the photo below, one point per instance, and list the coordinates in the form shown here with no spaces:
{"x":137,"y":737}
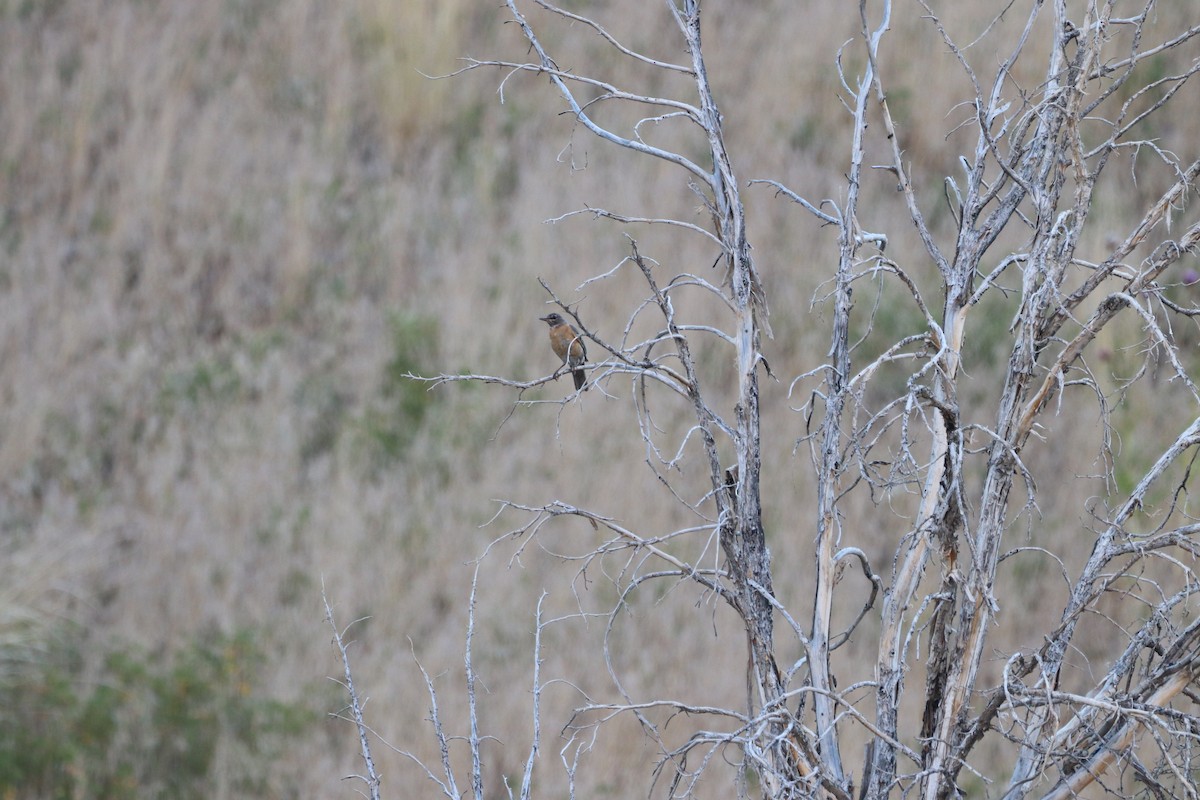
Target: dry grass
{"x":212,"y":212}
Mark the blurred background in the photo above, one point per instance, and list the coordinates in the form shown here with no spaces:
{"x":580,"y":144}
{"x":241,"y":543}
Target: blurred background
{"x":229,"y":229}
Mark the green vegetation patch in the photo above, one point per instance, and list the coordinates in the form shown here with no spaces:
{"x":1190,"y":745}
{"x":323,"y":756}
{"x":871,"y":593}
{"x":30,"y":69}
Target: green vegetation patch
{"x":399,"y":409}
{"x":144,"y":724}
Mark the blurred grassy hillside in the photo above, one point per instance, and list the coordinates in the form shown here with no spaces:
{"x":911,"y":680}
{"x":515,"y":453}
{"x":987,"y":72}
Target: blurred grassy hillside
{"x":229,"y":229}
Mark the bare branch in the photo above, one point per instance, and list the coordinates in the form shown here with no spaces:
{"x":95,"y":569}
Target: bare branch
{"x":371,"y":779}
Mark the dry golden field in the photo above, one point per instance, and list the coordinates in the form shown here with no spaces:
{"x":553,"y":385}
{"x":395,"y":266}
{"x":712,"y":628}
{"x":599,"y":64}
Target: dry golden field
{"x":228,"y":229}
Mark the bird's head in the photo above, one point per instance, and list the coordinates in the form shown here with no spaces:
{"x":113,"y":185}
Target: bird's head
{"x":552,"y":319}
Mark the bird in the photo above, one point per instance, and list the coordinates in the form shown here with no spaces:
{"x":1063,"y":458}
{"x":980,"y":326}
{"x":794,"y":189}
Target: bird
{"x":568,"y":345}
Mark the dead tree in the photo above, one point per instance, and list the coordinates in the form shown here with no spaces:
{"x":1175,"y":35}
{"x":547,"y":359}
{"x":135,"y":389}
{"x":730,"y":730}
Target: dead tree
{"x":1022,"y":204}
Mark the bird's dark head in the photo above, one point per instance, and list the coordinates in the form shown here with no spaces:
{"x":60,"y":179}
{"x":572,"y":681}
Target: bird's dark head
{"x":552,"y":319}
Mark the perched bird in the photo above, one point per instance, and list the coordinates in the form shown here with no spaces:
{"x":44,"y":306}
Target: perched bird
{"x":568,"y":345}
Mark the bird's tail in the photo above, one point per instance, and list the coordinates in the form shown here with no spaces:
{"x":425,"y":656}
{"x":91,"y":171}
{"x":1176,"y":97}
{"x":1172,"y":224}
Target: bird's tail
{"x":580,"y":379}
